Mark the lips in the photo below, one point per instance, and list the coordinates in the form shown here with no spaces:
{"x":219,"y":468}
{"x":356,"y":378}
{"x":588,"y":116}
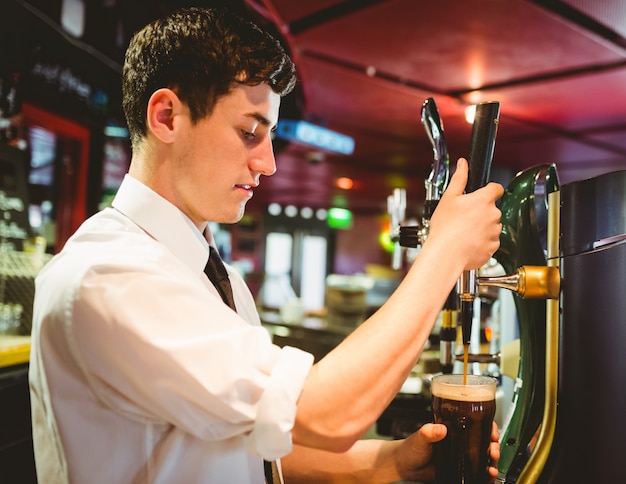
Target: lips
{"x":246,"y":188}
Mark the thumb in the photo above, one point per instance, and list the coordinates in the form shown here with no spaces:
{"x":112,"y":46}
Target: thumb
{"x":432,"y":432}
{"x":459,"y":179}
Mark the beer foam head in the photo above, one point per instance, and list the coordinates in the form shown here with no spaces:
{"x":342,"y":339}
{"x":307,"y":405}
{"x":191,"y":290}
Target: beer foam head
{"x":478,"y":389}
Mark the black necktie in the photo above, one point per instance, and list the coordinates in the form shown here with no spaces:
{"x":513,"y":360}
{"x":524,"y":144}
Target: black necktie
{"x":216,"y":272}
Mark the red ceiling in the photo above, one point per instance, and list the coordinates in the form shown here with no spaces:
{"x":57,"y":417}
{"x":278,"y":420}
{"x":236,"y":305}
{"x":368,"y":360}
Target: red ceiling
{"x":558,"y":68}
{"x":366,"y":67}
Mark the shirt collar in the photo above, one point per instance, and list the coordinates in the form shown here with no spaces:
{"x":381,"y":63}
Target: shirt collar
{"x":163,"y":221}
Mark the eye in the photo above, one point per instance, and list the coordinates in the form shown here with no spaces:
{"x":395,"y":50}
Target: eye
{"x":248,"y":134}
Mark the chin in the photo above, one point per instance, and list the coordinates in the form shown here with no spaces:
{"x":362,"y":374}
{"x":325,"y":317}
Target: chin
{"x":236,"y":217}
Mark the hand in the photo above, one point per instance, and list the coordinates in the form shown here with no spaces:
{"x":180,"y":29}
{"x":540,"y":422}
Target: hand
{"x":413,"y":458}
{"x":469,"y":224}
{"x":494,"y":452}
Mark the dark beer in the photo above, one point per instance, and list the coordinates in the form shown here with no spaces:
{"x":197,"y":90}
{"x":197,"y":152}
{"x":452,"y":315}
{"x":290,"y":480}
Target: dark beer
{"x":467,"y":411}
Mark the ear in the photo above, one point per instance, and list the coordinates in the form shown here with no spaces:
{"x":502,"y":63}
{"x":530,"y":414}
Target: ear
{"x":163,"y":106}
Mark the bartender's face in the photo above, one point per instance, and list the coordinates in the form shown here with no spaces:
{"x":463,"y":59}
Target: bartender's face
{"x":220,"y":159}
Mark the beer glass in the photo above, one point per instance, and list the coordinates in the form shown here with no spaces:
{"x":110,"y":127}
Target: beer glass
{"x":467,"y":410}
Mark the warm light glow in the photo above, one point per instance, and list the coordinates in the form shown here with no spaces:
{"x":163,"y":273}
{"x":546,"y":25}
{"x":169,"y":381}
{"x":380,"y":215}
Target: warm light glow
{"x":475,"y":68}
{"x":470,"y":113}
{"x":344,"y":183}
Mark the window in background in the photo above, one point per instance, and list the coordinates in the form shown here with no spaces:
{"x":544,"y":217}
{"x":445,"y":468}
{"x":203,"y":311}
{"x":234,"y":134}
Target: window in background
{"x":276,"y":289}
{"x":298,"y":247}
{"x":42,"y":144}
{"x":313,"y":278}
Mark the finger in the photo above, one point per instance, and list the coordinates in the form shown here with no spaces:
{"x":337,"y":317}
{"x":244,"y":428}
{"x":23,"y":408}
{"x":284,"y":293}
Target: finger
{"x":493,"y":471}
{"x":459,"y":179}
{"x":495,"y":435}
{"x":494,"y":456}
{"x":494,"y":451}
{"x":495,"y":190}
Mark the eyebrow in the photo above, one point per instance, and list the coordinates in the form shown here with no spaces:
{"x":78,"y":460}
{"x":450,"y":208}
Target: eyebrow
{"x":260,"y":118}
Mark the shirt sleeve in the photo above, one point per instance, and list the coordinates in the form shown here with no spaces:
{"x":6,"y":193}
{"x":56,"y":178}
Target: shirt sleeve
{"x":271,"y":436}
{"x":156,"y":343}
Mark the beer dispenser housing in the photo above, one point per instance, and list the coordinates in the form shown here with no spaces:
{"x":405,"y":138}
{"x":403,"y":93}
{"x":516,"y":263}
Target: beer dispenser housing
{"x":588,"y":443}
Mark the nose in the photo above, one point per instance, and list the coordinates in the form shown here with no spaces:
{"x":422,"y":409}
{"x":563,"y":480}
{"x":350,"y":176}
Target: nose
{"x":263,"y":160}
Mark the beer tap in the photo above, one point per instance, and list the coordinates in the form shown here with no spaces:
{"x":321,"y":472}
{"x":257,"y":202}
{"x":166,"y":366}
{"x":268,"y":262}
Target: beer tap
{"x":437,"y":181}
{"x":482,"y":144}
{"x":435,"y":185}
{"x":414,"y":236}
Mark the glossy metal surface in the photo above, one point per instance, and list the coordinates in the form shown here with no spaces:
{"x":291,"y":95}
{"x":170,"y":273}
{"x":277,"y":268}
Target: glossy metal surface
{"x":437,"y":181}
{"x":529,"y":282}
{"x":524,"y":207}
{"x":541,"y":450}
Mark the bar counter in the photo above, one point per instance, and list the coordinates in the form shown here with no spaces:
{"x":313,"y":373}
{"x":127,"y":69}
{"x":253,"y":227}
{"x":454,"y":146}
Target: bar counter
{"x":14,"y":350}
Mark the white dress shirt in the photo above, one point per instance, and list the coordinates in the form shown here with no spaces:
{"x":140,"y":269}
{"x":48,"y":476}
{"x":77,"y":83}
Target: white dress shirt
{"x":139,"y":373}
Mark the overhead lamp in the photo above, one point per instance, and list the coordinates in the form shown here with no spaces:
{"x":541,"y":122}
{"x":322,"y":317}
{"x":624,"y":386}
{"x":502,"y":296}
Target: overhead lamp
{"x":291,"y":211}
{"x":470,"y":113}
{"x":274,"y":209}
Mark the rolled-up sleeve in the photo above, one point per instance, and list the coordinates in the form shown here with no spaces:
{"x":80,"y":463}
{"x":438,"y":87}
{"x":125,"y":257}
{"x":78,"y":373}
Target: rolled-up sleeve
{"x":271,"y":436}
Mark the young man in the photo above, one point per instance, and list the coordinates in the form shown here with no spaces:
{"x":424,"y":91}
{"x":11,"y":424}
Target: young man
{"x":141,"y":373}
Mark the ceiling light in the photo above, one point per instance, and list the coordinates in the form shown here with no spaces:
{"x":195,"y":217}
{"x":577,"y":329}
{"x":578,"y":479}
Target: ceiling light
{"x":470,"y":113}
{"x":291,"y":211}
{"x":344,"y":183}
{"x":274,"y":209}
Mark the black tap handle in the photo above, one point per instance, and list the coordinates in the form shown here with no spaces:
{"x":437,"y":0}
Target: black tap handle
{"x":482,"y":144}
{"x":409,"y":236}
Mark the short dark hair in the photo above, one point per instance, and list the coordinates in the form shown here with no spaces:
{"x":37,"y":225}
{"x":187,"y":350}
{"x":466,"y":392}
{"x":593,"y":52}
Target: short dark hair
{"x":199,"y":53}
